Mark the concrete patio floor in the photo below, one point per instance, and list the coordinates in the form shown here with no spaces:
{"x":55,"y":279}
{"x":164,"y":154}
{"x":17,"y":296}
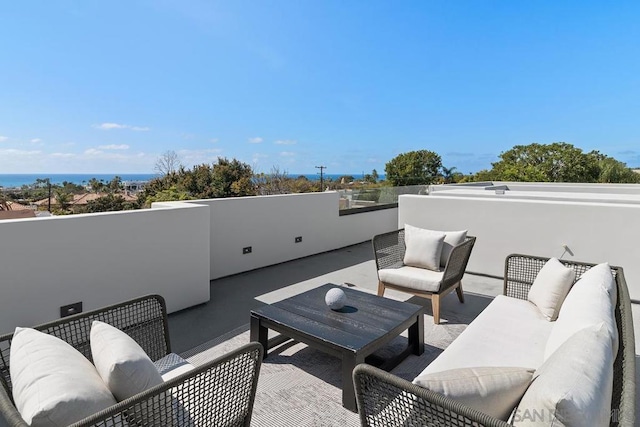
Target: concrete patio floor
{"x":233,"y":297}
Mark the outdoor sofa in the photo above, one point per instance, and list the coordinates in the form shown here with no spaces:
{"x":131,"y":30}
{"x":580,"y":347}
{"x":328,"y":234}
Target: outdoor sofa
{"x":511,"y":333}
{"x":220,"y":392}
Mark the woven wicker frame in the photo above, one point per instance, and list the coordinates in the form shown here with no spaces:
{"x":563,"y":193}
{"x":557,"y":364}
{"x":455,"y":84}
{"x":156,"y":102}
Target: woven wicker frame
{"x":386,"y":400}
{"x":220,"y":392}
{"x":389,"y":249}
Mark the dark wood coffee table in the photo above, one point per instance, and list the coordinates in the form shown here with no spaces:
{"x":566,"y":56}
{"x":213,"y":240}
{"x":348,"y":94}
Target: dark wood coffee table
{"x":366,"y":324}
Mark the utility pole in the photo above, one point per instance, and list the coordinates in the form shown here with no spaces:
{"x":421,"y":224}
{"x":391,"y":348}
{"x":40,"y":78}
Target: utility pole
{"x":322,"y":168}
{"x":49,"y":186}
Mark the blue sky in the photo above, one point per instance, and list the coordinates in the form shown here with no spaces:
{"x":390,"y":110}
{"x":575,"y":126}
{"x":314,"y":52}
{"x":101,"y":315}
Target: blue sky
{"x":102,"y":87}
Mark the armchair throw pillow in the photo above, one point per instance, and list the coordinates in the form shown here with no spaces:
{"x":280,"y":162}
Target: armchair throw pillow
{"x":53,"y":383}
{"x":451,"y":239}
{"x":550,"y":288}
{"x":121,"y":362}
{"x":423,"y":247}
{"x":492,"y":390}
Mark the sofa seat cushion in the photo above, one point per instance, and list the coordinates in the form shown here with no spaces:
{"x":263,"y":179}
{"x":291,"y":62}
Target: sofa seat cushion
{"x":171,"y":366}
{"x":419,"y":279}
{"x":573,"y":387}
{"x":509,"y":333}
{"x":53,"y":383}
{"x":492,"y":390}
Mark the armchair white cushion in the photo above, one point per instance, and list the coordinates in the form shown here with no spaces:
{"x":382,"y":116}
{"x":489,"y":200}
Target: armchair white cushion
{"x":423,"y":247}
{"x":53,"y":383}
{"x":121,"y":362}
{"x":420,"y":279}
{"x":451,"y":240}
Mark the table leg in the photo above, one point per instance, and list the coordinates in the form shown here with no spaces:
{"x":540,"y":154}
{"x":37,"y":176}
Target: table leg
{"x":349,"y":362}
{"x":416,"y":336}
{"x":260,"y":334}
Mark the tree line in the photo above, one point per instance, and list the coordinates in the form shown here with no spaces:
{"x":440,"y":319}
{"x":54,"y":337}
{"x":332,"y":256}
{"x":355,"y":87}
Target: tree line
{"x":555,"y":162}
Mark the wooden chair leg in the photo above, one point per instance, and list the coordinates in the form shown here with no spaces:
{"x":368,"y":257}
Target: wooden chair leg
{"x":459,"y":292}
{"x":435,"y":306}
{"x":380,"y":289}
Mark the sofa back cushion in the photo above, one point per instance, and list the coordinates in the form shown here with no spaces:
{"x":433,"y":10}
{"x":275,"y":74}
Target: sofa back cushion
{"x":423,"y":247}
{"x":492,"y":390}
{"x":550,"y":288}
{"x":53,"y":383}
{"x":591,"y":301}
{"x":574,"y":386}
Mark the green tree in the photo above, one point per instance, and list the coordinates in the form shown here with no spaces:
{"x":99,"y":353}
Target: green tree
{"x":232,"y":178}
{"x":556,"y":162}
{"x":96,"y":186}
{"x":63,"y":199}
{"x":413,"y":168}
{"x":448,"y":174}
{"x":109,"y":203}
{"x":614,"y":171}
{"x":115,"y":185}
{"x":169,"y":195}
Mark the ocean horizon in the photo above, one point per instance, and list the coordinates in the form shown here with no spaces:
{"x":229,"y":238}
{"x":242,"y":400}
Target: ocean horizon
{"x":18,"y":180}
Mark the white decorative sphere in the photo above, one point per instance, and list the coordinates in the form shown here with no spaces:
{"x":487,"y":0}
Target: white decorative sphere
{"x":335,"y":298}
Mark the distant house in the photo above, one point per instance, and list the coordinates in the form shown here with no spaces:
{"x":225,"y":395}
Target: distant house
{"x":16,"y":211}
{"x":83,"y":199}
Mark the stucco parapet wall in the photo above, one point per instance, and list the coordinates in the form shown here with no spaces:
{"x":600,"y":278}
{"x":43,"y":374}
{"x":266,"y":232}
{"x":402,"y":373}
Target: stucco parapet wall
{"x":606,"y":198}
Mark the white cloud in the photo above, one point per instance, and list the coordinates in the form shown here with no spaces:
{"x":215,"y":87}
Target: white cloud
{"x":114,"y":147}
{"x":14,"y":152}
{"x":63,"y":155}
{"x":36,"y":140}
{"x":93,"y":152}
{"x":286,"y":142}
{"x":256,"y":140}
{"x":110,"y":126}
{"x":3,"y":138}
{"x":213,"y":140}
{"x":287,"y":153}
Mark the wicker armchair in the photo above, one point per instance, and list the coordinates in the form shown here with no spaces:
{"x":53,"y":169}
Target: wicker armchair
{"x":386,"y":400}
{"x":389,"y":249}
{"x":220,"y":392}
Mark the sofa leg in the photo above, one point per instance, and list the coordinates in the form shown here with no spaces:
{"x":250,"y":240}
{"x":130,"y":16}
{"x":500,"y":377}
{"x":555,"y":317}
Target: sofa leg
{"x":435,"y":306}
{"x":459,"y":292}
{"x":380,"y":289}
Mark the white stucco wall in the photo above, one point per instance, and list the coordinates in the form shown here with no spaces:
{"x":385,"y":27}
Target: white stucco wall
{"x":269,"y":224}
{"x":594,"y":232}
{"x":101,"y":259}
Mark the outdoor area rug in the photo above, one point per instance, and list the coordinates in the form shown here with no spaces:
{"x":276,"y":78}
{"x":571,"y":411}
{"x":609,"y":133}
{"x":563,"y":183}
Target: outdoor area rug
{"x":300,"y":386}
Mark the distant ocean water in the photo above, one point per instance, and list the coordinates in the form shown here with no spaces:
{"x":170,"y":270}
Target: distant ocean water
{"x":18,"y":180}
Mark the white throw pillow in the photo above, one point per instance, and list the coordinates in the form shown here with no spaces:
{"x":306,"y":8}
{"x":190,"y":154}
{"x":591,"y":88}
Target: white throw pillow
{"x":492,"y":390}
{"x":451,"y":239}
{"x":587,"y":304}
{"x":573,"y":387}
{"x":121,"y":362}
{"x":53,"y":383}
{"x":550,"y":288}
{"x":423,"y":247}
